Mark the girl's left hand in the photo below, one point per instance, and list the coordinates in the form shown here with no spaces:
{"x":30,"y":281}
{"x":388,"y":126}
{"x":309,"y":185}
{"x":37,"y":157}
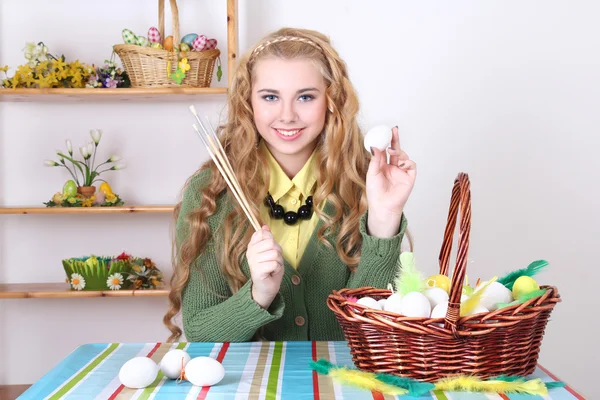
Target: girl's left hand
{"x":389,"y":185}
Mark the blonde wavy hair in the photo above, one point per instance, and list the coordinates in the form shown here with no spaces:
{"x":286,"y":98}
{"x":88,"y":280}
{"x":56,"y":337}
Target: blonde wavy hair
{"x":340,"y":180}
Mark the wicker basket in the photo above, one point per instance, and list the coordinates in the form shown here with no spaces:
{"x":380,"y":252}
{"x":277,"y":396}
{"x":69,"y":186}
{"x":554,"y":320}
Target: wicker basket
{"x":502,"y":342}
{"x":148,"y":67}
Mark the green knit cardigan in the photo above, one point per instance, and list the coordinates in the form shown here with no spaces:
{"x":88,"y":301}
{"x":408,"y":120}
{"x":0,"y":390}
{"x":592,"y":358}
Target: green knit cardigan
{"x":212,"y":313}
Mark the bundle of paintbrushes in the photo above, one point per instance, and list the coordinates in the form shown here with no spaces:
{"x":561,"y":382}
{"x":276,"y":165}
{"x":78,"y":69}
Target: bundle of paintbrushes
{"x":217,"y":153}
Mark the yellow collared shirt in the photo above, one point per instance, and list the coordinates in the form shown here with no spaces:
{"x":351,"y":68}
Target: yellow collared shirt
{"x":290,"y":194}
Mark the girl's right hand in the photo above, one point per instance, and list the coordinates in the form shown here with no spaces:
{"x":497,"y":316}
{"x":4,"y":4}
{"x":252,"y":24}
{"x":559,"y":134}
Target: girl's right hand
{"x":265,"y":260}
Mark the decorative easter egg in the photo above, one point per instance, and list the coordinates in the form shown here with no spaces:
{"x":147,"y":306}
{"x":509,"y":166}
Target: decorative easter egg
{"x":393,"y":303}
{"x":173,"y":362}
{"x":154,"y":35}
{"x":495,"y":293}
{"x":436,"y":296}
{"x":142,"y":41}
{"x":99,"y":197}
{"x":369,"y":302}
{"x":204,"y":371}
{"x":415,"y":304}
{"x":168,"y":43}
{"x":378,"y":137}
{"x":138,"y":372}
{"x":199,"y":43}
{"x":524,"y":285}
{"x":105,"y":188}
{"x":440,"y":281}
{"x":440,"y":310}
{"x":156,"y":45}
{"x":129,"y":37}
{"x":189,"y":38}
{"x":70,"y":188}
{"x":477,"y":310}
{"x":210,"y":44}
{"x":184,"y":47}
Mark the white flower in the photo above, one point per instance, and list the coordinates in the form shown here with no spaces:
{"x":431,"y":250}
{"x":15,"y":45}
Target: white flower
{"x":114,"y":158}
{"x":90,"y":148}
{"x":96,"y":135}
{"x":118,"y":166}
{"x":50,"y":163}
{"x":114,"y":281}
{"x":84,"y":152}
{"x":77,"y":282}
{"x":69,"y":147}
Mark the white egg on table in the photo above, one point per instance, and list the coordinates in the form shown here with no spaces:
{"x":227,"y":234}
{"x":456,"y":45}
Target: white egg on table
{"x":138,"y":373}
{"x":369,"y":302}
{"x":495,"y":293}
{"x":204,"y":371}
{"x":393,"y":303}
{"x":436,"y":296}
{"x":379,"y":137}
{"x":440,"y":310}
{"x":173,"y":362}
{"x":415,"y":304}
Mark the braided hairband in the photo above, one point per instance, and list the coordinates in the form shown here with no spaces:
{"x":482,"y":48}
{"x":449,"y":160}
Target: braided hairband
{"x":279,"y":39}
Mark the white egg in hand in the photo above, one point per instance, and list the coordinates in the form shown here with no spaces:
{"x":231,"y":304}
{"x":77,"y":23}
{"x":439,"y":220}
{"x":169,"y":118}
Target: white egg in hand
{"x":495,"y":293}
{"x":415,"y":304}
{"x":138,"y":373}
{"x":204,"y":371}
{"x":393,"y":303}
{"x":379,"y":137}
{"x":173,"y":362}
{"x":436,"y":296}
{"x":369,"y":302}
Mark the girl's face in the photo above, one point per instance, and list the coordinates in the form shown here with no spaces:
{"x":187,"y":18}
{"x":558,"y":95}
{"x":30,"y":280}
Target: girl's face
{"x":289,"y":104}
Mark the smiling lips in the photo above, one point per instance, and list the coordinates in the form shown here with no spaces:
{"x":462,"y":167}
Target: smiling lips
{"x":288,"y":134}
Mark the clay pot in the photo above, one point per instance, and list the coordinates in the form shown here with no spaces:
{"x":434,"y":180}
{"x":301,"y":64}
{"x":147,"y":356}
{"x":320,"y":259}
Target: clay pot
{"x":87,"y":191}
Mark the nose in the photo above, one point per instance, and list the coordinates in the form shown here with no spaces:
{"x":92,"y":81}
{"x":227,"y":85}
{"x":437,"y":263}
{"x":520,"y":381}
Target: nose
{"x":287,"y":113}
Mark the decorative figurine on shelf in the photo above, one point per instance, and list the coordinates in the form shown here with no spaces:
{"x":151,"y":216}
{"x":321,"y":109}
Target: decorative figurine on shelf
{"x":109,"y":76}
{"x":112,"y":273}
{"x":80,"y":191}
{"x":43,"y":70}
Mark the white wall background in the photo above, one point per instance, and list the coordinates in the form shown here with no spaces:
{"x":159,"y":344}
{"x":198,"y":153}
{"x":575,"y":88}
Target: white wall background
{"x":506,"y":91}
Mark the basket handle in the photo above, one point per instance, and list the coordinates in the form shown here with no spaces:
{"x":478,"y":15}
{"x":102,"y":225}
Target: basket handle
{"x":461,"y":197}
{"x":161,"y":20}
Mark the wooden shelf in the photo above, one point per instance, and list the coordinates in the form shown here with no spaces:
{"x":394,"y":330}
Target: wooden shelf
{"x":62,"y":290}
{"x":90,"y":94}
{"x":87,"y":210}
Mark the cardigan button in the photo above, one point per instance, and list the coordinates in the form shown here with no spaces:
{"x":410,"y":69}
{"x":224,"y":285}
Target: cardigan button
{"x":296,"y":280}
{"x":300,"y":321}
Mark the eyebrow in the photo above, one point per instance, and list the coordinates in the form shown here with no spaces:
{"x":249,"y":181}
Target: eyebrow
{"x":298,"y":92}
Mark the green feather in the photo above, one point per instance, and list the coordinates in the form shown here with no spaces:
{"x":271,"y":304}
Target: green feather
{"x":532,"y":269}
{"x":414,"y":387}
{"x":322,"y":366}
{"x":408,"y":279}
{"x":554,"y":385}
{"x":523,"y":298}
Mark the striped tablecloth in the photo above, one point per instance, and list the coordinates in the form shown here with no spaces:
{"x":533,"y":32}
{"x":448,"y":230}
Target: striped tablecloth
{"x":254,"y":370}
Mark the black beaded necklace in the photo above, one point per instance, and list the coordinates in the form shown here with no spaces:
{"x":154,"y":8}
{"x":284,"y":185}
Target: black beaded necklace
{"x":290,"y":217}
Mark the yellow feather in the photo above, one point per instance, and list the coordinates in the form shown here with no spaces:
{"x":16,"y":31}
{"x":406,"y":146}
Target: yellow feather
{"x":473,"y":384}
{"x":469,"y":305}
{"x":364,"y":380}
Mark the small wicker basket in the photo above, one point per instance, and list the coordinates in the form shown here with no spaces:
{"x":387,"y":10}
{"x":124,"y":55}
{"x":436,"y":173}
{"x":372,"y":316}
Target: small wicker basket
{"x":149,"y":67}
{"x":502,"y":342}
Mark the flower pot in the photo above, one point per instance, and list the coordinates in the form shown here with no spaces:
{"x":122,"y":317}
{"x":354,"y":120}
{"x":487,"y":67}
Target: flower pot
{"x":87,"y":191}
{"x":95,"y":271}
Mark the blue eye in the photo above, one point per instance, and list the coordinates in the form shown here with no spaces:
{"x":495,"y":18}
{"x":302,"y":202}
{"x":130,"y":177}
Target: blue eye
{"x":270,"y":97}
{"x":306,"y":97}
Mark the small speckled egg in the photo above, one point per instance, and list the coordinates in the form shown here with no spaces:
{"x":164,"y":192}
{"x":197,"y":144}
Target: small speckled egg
{"x":189,"y":38}
{"x":204,"y":371}
{"x":172,"y":363}
{"x":184,"y":47}
{"x":139,"y":372}
{"x":369,"y":302}
{"x":379,"y":137}
{"x":415,"y":304}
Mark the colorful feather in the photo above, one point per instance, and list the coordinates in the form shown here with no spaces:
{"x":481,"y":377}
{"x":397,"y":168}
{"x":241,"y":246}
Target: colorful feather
{"x":473,"y":384}
{"x":414,"y":387}
{"x":408,"y":279}
{"x":523,"y":298}
{"x":532,"y":269}
{"x":364,"y":380}
{"x":469,"y":305}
